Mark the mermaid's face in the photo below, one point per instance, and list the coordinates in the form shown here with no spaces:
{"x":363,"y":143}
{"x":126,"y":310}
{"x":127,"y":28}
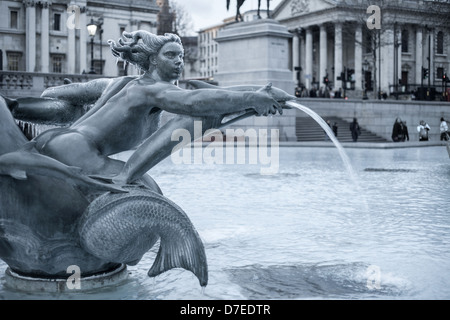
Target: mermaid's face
{"x":169,"y":61}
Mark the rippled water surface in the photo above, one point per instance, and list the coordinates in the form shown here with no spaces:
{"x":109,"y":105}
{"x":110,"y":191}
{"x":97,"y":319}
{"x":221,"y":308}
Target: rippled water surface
{"x":308,"y":232}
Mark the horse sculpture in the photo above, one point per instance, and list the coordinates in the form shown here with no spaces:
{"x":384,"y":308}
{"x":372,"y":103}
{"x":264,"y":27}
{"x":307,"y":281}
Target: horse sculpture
{"x":239,"y":5}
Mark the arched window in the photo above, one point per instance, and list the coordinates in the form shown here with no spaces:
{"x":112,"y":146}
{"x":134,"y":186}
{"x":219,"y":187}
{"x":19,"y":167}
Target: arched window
{"x":440,"y":42}
{"x":405,"y":40}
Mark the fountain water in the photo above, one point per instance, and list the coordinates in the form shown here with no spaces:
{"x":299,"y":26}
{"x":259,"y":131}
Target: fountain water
{"x":329,"y":132}
{"x":336,"y":142}
{"x":32,"y":129}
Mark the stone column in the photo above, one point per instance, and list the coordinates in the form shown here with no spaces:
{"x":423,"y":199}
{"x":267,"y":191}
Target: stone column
{"x":134,"y":23}
{"x":308,"y":58}
{"x":71,"y":53}
{"x":295,"y":54}
{"x":431,"y":72}
{"x":419,"y":54}
{"x":399,"y":55}
{"x":387,"y":58}
{"x":302,"y":57}
{"x":83,"y":41}
{"x":399,"y":66}
{"x":358,"y":58}
{"x":45,"y":30}
{"x":338,"y":68}
{"x":30,"y":36}
{"x":323,"y":54}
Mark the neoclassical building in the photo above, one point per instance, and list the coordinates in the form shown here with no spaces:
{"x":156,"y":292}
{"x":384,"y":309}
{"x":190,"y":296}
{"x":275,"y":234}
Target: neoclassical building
{"x":50,"y":36}
{"x":339,"y":40}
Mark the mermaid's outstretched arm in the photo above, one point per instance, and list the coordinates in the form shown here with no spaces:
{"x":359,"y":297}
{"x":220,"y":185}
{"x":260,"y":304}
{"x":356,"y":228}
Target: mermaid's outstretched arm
{"x":78,"y":93}
{"x":61,"y":105}
{"x":278,"y":94}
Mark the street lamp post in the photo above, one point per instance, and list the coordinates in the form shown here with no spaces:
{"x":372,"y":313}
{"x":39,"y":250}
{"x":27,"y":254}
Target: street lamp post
{"x":379,"y":64}
{"x":92,"y":29}
{"x":100,"y":31}
{"x":365,"y":68}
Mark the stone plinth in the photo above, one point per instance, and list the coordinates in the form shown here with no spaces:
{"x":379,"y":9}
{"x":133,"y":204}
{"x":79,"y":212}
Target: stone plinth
{"x":256,"y":53}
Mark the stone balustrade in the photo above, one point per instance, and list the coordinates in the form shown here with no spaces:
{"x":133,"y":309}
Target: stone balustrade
{"x":16,"y":84}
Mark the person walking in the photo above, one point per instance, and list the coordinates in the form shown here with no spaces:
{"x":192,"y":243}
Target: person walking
{"x":355,"y":130}
{"x":397,"y":131}
{"x":326,"y":134}
{"x":335,"y":129}
{"x":423,"y":129}
{"x":443,"y":128}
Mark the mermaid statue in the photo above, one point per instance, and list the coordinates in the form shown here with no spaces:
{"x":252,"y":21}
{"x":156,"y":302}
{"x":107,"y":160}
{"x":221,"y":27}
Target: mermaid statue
{"x":65,"y":201}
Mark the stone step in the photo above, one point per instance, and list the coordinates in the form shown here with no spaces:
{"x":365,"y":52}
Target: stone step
{"x":307,"y":129}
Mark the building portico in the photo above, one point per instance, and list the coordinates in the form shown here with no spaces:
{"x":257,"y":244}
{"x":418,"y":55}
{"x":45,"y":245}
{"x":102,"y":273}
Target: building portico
{"x":334,"y":40}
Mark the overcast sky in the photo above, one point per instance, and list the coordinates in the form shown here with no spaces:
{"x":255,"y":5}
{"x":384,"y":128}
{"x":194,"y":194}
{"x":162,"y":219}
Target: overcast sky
{"x":207,"y":13}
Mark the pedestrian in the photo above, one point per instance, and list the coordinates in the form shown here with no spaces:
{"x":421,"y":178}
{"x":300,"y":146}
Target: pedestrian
{"x":326,"y":134}
{"x":355,"y":130}
{"x":443,"y":128}
{"x":423,"y":129}
{"x":397,"y":131}
{"x":405,"y":131}
{"x":335,"y":129}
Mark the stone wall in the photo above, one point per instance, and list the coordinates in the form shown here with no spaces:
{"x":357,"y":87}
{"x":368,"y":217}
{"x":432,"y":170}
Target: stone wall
{"x":379,"y":116}
{"x":375,"y":116}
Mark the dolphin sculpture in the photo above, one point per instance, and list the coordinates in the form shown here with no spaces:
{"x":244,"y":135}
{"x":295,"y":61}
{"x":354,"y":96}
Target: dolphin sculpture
{"x":28,"y":161}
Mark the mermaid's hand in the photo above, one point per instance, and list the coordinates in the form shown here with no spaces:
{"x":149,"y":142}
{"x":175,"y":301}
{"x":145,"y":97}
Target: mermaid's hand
{"x":278,"y":94}
{"x":273,"y":104}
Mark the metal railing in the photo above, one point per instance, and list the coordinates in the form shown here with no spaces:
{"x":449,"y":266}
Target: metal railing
{"x":436,"y":92}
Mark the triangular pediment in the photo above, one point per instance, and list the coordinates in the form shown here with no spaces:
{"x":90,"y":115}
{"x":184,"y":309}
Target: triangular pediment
{"x":292,"y":8}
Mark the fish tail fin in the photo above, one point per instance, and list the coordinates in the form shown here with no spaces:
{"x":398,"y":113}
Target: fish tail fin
{"x":185,"y":252}
{"x":123,"y":227}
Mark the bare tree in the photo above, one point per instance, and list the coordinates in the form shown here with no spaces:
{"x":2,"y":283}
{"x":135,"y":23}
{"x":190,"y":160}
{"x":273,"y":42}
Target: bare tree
{"x":183,"y":20}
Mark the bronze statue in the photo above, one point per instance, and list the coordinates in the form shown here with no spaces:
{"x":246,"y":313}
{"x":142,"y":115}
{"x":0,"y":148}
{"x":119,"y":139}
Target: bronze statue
{"x":267,"y":8}
{"x":239,"y":5}
{"x":66,"y":202}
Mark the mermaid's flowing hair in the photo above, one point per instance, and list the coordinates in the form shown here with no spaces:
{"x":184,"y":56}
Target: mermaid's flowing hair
{"x":138,"y":46}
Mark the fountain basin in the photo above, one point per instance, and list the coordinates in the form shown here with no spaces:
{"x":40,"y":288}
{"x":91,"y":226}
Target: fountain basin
{"x":30,"y":284}
{"x":305,"y":233}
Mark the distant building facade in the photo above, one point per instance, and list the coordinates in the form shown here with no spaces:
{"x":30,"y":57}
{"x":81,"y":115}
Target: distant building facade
{"x":51,"y":36}
{"x":334,"y":41}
